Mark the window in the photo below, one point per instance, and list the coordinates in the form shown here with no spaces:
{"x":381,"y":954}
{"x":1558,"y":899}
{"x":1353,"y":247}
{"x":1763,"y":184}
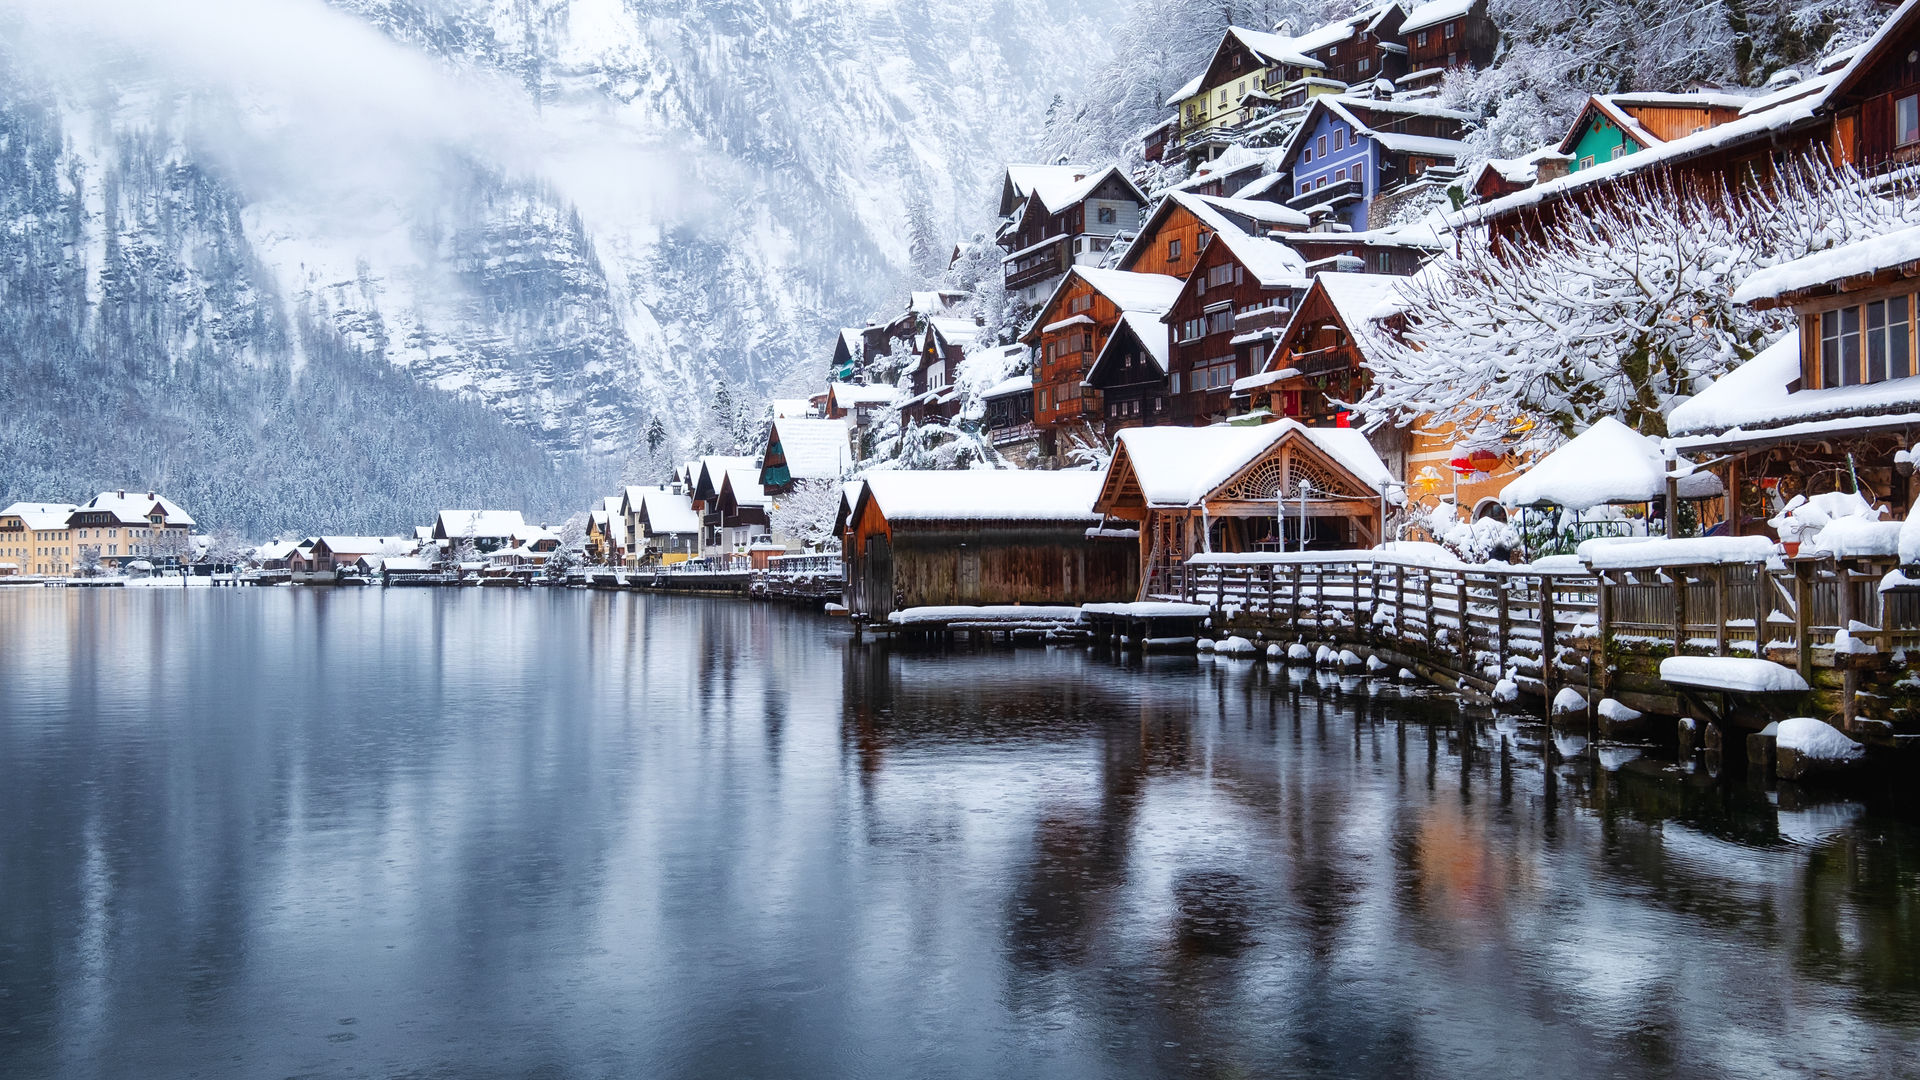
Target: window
{"x":1420,"y":39}
{"x":1307,"y":155}
{"x":1619,"y":151}
{"x":1241,"y":90}
{"x":1192,"y":329}
{"x":1339,"y":175}
{"x":1339,"y":138}
{"x":1906,"y":120}
{"x":1840,"y":347}
{"x":1333,"y":52}
{"x":1220,"y":322}
{"x":1382,"y":262}
{"x":1219,"y":275}
{"x":1450,"y":29}
{"x":1173,"y":382}
{"x":1889,"y":353}
{"x":1305,"y":187}
{"x":1106,"y":215}
{"x":1080,"y":303}
{"x":1173,"y":248}
{"x":1223,"y":95}
{"x":1587,"y":162}
{"x":1320,"y":183}
{"x":1365,"y":63}
{"x":1320,"y":146}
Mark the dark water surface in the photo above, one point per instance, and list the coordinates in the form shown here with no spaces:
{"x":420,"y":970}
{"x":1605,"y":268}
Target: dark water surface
{"x":429,"y":833}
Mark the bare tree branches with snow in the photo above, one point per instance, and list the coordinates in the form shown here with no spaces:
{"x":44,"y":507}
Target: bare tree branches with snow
{"x":1622,"y":310}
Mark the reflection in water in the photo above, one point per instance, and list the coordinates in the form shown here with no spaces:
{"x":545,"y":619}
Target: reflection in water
{"x":531,"y":833}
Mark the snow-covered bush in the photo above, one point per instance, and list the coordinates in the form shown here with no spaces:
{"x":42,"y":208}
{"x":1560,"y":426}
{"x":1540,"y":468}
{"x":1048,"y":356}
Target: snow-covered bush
{"x":1485,"y":540}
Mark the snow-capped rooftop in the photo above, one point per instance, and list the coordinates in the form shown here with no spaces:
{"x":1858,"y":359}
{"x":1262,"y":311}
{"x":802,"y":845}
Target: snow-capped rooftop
{"x":1274,"y":263}
{"x":40,"y":516}
{"x":814,"y":449}
{"x":985,"y":495}
{"x":1829,"y":267}
{"x":1754,"y":399}
{"x":1357,"y":297}
{"x":849,"y":395}
{"x":1148,"y":294}
{"x":1178,"y":466}
{"x":1433,"y":13}
{"x":135,"y":507}
{"x":478,"y":524}
{"x":1606,"y":464}
{"x":666,"y":512}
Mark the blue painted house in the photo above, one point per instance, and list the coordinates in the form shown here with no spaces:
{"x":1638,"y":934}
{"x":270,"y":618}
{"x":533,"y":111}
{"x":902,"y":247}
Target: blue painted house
{"x":1348,"y":153}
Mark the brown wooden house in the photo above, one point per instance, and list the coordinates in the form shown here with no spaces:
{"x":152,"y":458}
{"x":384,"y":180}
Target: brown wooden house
{"x":933,"y":396}
{"x":1069,"y":331}
{"x":1219,"y":489}
{"x":1442,"y":35}
{"x":1182,"y":223}
{"x":1066,"y":220}
{"x":980,"y":537}
{"x":1130,"y":375}
{"x":1241,"y":287}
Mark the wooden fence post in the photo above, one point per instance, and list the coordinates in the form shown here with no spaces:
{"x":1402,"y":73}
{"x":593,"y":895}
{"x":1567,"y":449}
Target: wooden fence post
{"x":1466,"y":637}
{"x":1720,"y":610}
{"x":1505,"y":625}
{"x":1548,"y":635}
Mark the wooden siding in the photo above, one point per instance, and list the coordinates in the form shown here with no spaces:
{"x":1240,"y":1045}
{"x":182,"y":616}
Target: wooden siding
{"x":1177,"y":225}
{"x":924,"y":564}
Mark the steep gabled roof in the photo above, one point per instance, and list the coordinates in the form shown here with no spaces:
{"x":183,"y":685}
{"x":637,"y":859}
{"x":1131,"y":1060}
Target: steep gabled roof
{"x":1435,"y":12}
{"x":1178,"y":467}
{"x":135,"y":507}
{"x":809,"y":449}
{"x":668,"y":513}
{"x":477,"y":524}
{"x":1357,"y":114}
{"x":1022,"y":181}
{"x":1148,"y":294}
{"x":1155,"y":338}
{"x":1868,"y":55}
{"x":1013,"y":495}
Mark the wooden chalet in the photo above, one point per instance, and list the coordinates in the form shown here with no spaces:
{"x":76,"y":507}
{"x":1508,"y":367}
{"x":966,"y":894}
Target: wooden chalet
{"x":1071,"y":328}
{"x":1835,"y":403}
{"x":1224,"y":489}
{"x":1240,"y":288}
{"x":980,"y":537}
{"x":489,"y":530}
{"x":1009,"y":418}
{"x":1359,"y":48}
{"x":800,"y":449}
{"x":1611,"y":126}
{"x":1252,"y":75}
{"x":744,"y":508}
{"x":1068,"y":217}
{"x":1443,"y":35}
{"x":709,"y":476}
{"x":1354,"y":160}
{"x":1130,"y":375}
{"x":933,"y":395}
{"x":666,"y":529}
{"x":1183,"y":223}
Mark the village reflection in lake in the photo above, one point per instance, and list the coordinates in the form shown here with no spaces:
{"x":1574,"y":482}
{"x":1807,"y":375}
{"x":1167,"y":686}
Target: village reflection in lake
{"x":517,"y":833}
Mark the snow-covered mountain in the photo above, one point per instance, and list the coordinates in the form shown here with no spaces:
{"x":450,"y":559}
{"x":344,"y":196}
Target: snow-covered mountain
{"x":333,"y":264}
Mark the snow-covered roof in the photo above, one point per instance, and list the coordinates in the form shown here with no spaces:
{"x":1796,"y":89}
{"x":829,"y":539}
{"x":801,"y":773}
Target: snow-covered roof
{"x":41,"y":516}
{"x":1273,"y":48}
{"x":1005,"y":387}
{"x":1357,"y":297}
{"x":848,"y":395}
{"x":1258,"y":211}
{"x":1187,"y":90}
{"x":276,"y":549}
{"x":616,"y":522}
{"x":1433,"y":13}
{"x":1754,"y":399}
{"x":1155,"y":337}
{"x":1830,"y":267}
{"x":406,"y":564}
{"x":1179,"y":466}
{"x":666,"y":512}
{"x":814,"y":449}
{"x":365,"y":545}
{"x":1692,"y":99}
{"x":1148,"y":294}
{"x":1058,"y":191}
{"x":1333,"y":33}
{"x":1760,"y":117}
{"x":1605,"y":464}
{"x":1343,"y":106}
{"x":984,"y":495}
{"x":1274,"y":263}
{"x":1419,"y":144}
{"x":478,"y":524}
{"x":133,"y":507}
{"x":1026,"y":179}
{"x":744,"y":482}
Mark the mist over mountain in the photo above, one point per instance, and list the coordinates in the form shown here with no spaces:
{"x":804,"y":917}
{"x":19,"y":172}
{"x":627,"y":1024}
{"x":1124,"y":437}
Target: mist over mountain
{"x":337,"y":264}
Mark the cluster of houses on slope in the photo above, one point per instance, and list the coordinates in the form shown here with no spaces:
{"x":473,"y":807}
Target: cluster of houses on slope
{"x":113,"y":531}
{"x":1254,"y":291}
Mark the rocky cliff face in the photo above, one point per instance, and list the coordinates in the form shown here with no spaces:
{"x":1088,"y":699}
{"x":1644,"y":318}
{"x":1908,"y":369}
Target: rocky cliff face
{"x":335,"y":265}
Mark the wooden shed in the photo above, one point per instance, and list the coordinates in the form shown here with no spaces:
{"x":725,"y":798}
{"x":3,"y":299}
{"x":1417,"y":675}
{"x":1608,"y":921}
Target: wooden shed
{"x":928,"y":539}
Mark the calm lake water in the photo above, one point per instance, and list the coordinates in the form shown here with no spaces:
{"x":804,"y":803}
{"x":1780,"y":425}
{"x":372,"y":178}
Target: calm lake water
{"x":435,"y":833}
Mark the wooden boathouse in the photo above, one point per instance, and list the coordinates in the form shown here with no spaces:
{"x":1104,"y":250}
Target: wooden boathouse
{"x":984,"y":537}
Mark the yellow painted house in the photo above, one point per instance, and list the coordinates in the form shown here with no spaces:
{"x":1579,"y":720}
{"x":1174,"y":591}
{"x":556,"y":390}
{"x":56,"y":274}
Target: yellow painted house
{"x":35,"y":539}
{"x":1251,"y":71}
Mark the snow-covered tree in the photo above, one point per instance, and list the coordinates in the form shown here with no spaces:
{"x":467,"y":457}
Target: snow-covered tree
{"x":806,"y":513}
{"x":1623,"y":309}
{"x":572,"y":549}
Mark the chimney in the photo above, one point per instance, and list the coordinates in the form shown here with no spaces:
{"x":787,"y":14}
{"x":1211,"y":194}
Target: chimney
{"x":123,"y":493}
{"x":1552,"y":167}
